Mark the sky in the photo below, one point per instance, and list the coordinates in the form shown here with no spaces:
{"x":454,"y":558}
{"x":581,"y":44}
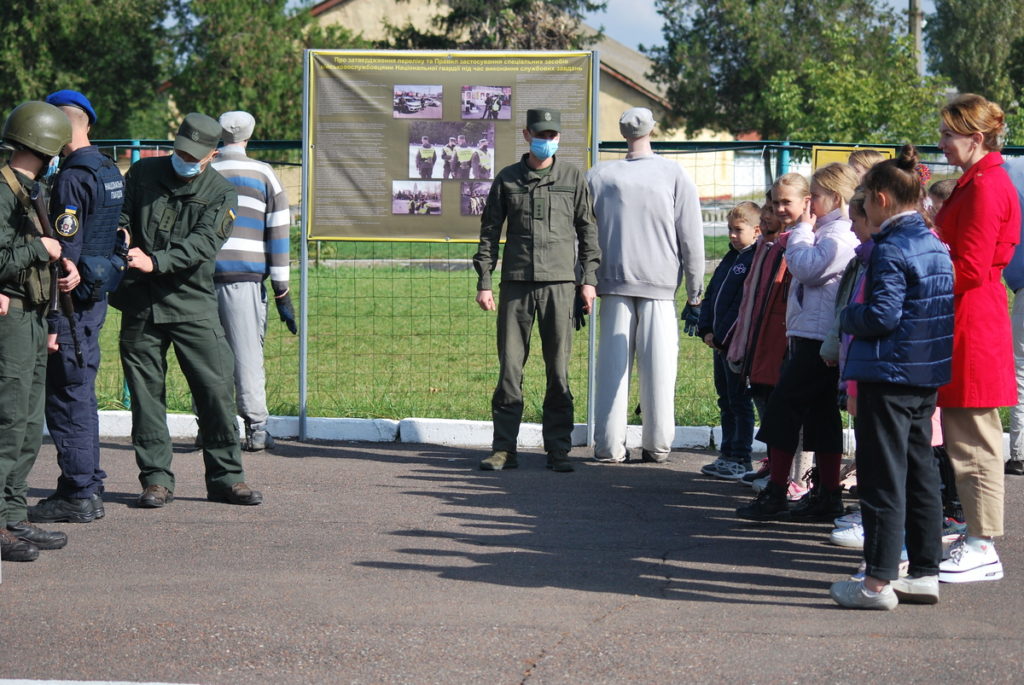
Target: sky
{"x":633,"y":22}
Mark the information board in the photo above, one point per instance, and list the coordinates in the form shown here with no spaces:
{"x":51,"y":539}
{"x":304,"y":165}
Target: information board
{"x":403,"y":145}
{"x":826,"y":154}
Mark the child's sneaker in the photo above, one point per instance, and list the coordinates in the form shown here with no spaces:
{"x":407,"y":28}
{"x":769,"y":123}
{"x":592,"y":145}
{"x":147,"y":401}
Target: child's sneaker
{"x":917,"y":589}
{"x":952,"y":529}
{"x":769,"y":505}
{"x":852,"y":519}
{"x":760,"y":484}
{"x":852,"y":537}
{"x":968,"y":563}
{"x":761,"y":471}
{"x":853,"y":595}
{"x":796,"y":491}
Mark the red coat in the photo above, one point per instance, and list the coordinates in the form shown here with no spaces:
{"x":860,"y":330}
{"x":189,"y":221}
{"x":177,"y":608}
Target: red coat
{"x":981,"y":224}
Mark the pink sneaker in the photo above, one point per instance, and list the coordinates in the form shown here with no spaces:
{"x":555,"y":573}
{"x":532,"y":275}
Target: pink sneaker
{"x":796,"y":491}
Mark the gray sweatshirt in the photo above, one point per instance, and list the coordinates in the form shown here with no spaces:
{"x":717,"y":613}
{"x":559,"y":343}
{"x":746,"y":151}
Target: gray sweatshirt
{"x":649,"y":228}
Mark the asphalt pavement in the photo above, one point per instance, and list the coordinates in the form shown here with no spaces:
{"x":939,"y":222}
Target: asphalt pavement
{"x":397,"y":563}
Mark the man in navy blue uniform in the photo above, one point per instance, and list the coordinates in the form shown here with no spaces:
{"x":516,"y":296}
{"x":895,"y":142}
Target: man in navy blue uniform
{"x":84,"y":208}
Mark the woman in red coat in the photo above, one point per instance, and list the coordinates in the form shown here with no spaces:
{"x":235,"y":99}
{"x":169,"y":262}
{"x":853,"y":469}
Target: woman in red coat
{"x":981,"y":224}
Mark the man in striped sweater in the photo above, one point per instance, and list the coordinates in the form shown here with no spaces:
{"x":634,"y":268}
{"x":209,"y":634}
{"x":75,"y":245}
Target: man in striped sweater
{"x":258,"y":247}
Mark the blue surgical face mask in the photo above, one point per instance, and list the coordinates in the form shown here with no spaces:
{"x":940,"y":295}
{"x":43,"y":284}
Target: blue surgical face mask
{"x":542,"y":148}
{"x":185,"y":169}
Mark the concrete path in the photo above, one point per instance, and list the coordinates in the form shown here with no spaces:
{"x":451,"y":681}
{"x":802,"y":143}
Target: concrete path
{"x":393,"y":563}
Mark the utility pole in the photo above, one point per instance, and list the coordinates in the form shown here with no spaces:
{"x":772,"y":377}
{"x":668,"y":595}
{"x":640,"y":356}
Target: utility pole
{"x":915,"y":21}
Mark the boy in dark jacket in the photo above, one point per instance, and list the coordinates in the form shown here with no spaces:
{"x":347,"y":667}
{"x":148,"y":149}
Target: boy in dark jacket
{"x":717,"y":316}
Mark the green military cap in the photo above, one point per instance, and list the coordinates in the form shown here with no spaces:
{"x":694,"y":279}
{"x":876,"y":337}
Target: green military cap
{"x":197,"y":135}
{"x":544,"y":119}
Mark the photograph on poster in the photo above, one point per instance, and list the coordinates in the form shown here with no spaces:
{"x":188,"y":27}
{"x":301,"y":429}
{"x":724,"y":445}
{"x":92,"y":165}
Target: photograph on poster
{"x":417,"y":102}
{"x":487,"y":102}
{"x":416,"y":198}
{"x":451,"y":150}
{"x":473,"y":198}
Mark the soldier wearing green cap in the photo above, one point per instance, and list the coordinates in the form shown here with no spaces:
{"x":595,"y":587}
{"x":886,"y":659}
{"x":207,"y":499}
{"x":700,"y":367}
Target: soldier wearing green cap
{"x":179,"y":212}
{"x":33,"y":133}
{"x":551,"y":257}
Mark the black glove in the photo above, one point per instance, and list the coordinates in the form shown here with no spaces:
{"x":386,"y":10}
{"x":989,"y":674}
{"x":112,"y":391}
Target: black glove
{"x":285,"y":310}
{"x":690,"y":317}
{"x":579,"y":319}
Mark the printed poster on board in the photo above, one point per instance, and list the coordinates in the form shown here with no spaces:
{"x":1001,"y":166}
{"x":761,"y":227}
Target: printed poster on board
{"x":404,"y":145}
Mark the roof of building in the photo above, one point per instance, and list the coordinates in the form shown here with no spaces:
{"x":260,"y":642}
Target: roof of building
{"x":618,"y":61}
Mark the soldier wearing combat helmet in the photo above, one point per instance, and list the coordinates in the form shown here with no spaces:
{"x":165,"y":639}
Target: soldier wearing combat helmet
{"x":33,"y":132}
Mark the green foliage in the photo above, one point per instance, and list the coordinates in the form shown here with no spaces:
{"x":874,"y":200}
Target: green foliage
{"x":977,"y":44}
{"x":247,"y":54}
{"x":498,"y":25}
{"x":114,"y":51}
{"x":721,"y":57}
{"x":844,"y":100}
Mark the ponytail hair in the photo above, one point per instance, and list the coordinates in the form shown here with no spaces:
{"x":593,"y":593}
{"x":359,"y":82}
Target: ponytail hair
{"x":898,"y":178}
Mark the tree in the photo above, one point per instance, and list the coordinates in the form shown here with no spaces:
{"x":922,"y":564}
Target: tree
{"x":842,"y":100}
{"x":976,"y":43}
{"x":114,"y":51}
{"x":499,"y":25}
{"x":720,"y":57}
{"x":247,"y":54}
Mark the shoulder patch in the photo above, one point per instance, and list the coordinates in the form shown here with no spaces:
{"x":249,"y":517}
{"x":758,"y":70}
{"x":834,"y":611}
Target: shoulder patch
{"x":66,"y":225}
{"x":232,"y":215}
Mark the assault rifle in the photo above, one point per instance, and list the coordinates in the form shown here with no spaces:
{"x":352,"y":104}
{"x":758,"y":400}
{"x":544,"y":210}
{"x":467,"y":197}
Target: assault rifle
{"x":58,"y":300}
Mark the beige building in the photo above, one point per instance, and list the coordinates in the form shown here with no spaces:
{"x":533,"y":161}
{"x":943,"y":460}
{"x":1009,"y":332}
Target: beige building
{"x":623,"y":81}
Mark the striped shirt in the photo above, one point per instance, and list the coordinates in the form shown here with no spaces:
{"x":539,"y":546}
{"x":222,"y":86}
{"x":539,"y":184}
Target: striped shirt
{"x":258,"y":245}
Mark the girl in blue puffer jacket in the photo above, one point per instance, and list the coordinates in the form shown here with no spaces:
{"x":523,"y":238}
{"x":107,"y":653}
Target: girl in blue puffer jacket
{"x":900,"y":354}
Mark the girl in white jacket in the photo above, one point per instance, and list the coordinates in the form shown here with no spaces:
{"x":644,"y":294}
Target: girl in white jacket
{"x":818,"y":250}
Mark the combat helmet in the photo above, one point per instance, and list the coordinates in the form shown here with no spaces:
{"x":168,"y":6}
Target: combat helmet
{"x":37,"y":126}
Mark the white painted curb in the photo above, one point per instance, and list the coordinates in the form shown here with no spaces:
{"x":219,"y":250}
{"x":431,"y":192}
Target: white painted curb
{"x":449,"y":432}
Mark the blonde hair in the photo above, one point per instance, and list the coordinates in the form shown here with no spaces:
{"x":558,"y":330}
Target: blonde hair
{"x":837,"y":178}
{"x":865,"y":158}
{"x":745,"y":211}
{"x":793,"y":180}
{"x":969,"y":113}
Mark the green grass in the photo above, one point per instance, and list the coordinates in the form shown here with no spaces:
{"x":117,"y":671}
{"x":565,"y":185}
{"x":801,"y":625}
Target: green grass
{"x":391,"y":340}
{"x":395,"y":341}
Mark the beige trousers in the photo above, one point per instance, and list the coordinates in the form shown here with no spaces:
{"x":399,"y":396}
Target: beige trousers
{"x":974,"y":442}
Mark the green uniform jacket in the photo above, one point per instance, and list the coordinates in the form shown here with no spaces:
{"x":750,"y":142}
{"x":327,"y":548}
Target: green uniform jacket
{"x":18,"y":250}
{"x":181,"y":224}
{"x":550,"y":226}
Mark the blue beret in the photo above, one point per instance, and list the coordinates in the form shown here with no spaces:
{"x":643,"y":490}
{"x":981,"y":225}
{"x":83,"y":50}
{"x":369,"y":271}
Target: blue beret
{"x":74,"y":98}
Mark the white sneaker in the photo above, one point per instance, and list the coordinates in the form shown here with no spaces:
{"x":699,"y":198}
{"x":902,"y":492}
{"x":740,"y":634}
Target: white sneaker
{"x":847,"y":520}
{"x":760,"y":484}
{"x":730,"y":470}
{"x":968,"y":564}
{"x":917,"y":589}
{"x":852,"y":537}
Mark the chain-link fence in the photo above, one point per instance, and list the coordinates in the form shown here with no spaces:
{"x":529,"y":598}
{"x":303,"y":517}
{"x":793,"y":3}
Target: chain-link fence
{"x":393,"y":330}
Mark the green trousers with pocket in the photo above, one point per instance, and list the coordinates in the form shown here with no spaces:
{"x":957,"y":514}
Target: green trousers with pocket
{"x":208,"y":365}
{"x":520,"y":303}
